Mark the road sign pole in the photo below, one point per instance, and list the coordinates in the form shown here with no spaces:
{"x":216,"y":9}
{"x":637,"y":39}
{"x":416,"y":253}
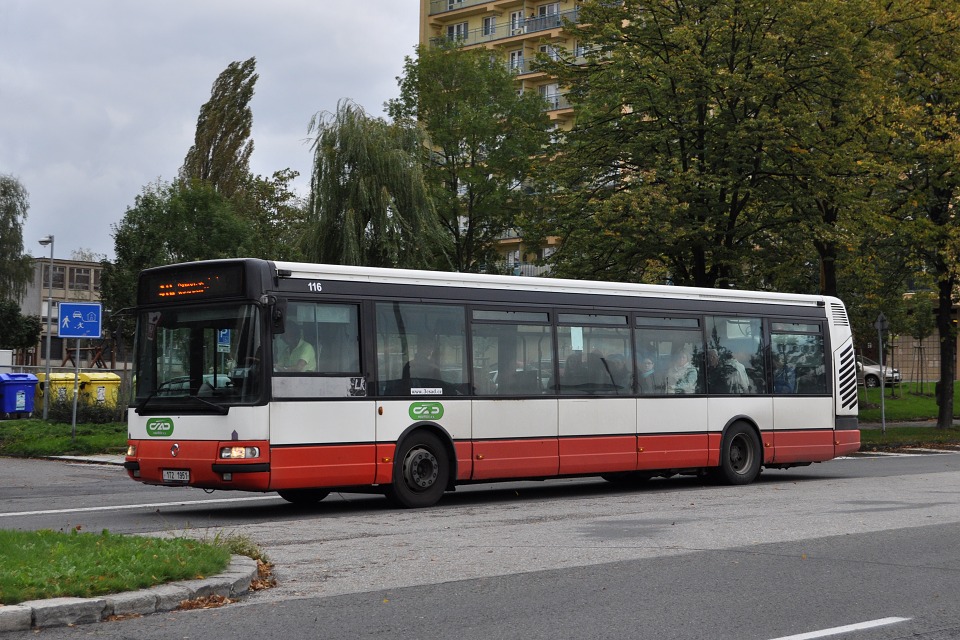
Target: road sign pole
{"x":76,"y":393}
{"x":882,"y":325}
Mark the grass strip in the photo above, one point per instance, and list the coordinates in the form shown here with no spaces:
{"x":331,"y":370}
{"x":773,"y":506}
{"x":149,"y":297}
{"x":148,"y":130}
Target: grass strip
{"x":899,"y":437}
{"x":33,"y":438}
{"x":35,"y":565}
{"x":908,"y":401}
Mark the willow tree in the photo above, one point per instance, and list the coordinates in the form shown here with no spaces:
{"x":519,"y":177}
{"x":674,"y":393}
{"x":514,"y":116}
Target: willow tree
{"x":16,"y":269}
{"x":368,"y":203}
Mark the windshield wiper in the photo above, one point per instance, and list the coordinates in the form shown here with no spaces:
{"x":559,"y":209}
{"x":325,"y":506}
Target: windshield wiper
{"x":220,"y":409}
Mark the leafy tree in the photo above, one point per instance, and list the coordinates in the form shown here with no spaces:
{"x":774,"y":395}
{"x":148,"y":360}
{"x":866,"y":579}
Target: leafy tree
{"x":927,"y":81}
{"x":87,"y":255}
{"x":221,"y":150}
{"x":483,"y":136}
{"x":17,"y":331}
{"x":368,"y":200}
{"x":275,"y":215}
{"x":169,"y":223}
{"x":691,"y":151}
{"x":16,"y":269}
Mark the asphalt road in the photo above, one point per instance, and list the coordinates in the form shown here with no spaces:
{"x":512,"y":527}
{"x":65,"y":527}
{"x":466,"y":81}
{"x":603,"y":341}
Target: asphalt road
{"x":849,"y":542}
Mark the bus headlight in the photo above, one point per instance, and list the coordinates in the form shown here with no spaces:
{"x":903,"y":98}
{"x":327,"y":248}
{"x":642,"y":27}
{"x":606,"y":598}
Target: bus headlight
{"x":239,"y":453}
{"x":131,"y":450}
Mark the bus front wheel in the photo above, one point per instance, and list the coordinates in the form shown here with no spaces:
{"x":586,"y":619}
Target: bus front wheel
{"x":740,"y":455}
{"x":421,"y":471}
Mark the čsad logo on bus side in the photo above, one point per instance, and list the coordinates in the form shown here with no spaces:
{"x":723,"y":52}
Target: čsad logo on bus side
{"x":426,"y":411}
{"x":160,"y":427}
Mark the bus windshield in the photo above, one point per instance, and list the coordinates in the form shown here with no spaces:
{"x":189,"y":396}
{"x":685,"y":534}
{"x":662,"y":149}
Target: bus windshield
{"x":203,"y":359}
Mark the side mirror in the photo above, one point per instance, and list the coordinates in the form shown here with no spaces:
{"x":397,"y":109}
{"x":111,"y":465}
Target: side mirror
{"x":278,"y":312}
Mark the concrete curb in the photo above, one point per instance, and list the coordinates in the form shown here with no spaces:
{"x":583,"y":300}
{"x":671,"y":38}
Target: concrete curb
{"x":58,"y":612}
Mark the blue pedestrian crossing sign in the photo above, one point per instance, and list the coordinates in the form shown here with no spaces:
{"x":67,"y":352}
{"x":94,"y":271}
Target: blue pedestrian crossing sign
{"x":80,"y":320}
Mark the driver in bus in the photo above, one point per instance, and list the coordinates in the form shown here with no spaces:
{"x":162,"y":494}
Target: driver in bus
{"x":293,"y":352}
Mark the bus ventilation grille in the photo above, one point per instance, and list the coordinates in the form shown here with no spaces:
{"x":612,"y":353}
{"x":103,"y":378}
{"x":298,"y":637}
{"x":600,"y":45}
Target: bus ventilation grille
{"x":840,"y":318}
{"x":848,"y":379}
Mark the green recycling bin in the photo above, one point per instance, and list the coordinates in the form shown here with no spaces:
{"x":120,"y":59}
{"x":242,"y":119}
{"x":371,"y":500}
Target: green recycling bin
{"x":102,"y":389}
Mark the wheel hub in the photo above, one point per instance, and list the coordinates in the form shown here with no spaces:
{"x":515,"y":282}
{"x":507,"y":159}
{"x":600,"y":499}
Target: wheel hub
{"x":421,"y":468}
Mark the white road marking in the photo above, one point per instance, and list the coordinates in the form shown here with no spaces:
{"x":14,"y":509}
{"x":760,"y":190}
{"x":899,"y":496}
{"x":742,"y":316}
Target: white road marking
{"x":121,"y":507}
{"x":860,"y":626}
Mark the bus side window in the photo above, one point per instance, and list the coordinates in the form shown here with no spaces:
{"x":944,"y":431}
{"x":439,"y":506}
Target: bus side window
{"x":421,"y":349}
{"x":512,"y":353}
{"x":797,"y":355}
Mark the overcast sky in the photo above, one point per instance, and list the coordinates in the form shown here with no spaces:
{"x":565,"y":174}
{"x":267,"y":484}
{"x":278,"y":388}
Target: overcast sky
{"x":99,"y":98}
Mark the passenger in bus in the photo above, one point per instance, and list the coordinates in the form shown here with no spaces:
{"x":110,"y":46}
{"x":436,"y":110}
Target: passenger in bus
{"x":649,"y":380}
{"x":619,"y":374}
{"x":293,"y":352}
{"x":784,"y":375}
{"x":726,"y":374}
{"x":423,"y":365}
{"x":682,"y":375}
{"x":574,"y":372}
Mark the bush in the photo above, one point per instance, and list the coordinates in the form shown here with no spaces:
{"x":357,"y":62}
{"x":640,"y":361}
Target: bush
{"x":62,"y":411}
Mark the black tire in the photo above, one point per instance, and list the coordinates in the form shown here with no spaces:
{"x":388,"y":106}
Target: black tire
{"x":871,"y":382}
{"x":740,"y":455}
{"x":303,"y":496}
{"x":421,"y":470}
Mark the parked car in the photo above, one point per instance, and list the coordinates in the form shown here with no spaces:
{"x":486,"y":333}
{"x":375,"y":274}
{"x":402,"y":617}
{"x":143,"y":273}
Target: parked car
{"x":868,"y":373}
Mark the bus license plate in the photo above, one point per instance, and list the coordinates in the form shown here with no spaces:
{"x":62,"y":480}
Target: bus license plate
{"x":176,"y":475}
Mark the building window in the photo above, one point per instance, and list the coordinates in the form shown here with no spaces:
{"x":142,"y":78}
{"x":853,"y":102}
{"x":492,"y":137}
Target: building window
{"x":516,"y":23}
{"x":80,"y":278}
{"x":58,"y":276}
{"x":489,"y":26}
{"x":550,"y":51}
{"x":458,"y":31}
{"x":551,"y":94}
{"x":96,"y":279}
{"x":516,"y":61}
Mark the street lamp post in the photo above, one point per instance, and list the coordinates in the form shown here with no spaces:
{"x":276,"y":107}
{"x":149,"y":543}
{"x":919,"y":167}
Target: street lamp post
{"x":48,"y":240}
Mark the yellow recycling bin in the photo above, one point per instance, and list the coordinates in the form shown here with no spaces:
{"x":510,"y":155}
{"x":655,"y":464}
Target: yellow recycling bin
{"x":99,"y":389}
{"x":61,"y":388}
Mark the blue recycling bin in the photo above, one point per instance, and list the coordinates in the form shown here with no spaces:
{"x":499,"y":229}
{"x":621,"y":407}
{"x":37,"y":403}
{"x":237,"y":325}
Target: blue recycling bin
{"x":16,"y":392}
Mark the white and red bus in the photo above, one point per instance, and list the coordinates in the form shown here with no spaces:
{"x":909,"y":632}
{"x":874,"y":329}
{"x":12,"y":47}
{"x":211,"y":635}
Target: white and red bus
{"x":303,"y":378}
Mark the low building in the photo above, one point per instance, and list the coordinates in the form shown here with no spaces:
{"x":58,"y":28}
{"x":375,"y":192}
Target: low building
{"x":73,"y":281}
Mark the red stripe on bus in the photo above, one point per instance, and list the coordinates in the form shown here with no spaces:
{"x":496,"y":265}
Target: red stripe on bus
{"x":323,"y":466}
{"x":802,"y":446}
{"x":847,"y":441}
{"x":598,"y":454}
{"x":198,"y":457}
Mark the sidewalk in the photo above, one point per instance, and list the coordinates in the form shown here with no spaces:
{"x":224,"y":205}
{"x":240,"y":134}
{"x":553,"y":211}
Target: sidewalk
{"x":58,"y":612}
{"x":905,"y":423}
{"x":97,"y":458}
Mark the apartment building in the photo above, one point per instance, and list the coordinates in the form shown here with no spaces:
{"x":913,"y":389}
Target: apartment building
{"x":515,"y":31}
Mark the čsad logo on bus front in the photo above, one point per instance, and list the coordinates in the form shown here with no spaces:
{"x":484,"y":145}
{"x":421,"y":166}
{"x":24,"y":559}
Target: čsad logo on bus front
{"x":159,"y":427}
{"x":426,"y":411}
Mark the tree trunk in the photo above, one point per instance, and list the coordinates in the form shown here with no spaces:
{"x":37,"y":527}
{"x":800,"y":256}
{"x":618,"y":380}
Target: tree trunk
{"x":948,"y":352}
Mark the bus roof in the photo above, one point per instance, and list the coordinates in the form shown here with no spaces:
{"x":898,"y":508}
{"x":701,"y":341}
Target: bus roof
{"x":537,"y":284}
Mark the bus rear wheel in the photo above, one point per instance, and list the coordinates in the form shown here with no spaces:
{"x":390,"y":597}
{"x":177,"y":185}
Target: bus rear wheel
{"x":303,"y":496}
{"x":740,"y":455}
{"x":421,"y":471}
